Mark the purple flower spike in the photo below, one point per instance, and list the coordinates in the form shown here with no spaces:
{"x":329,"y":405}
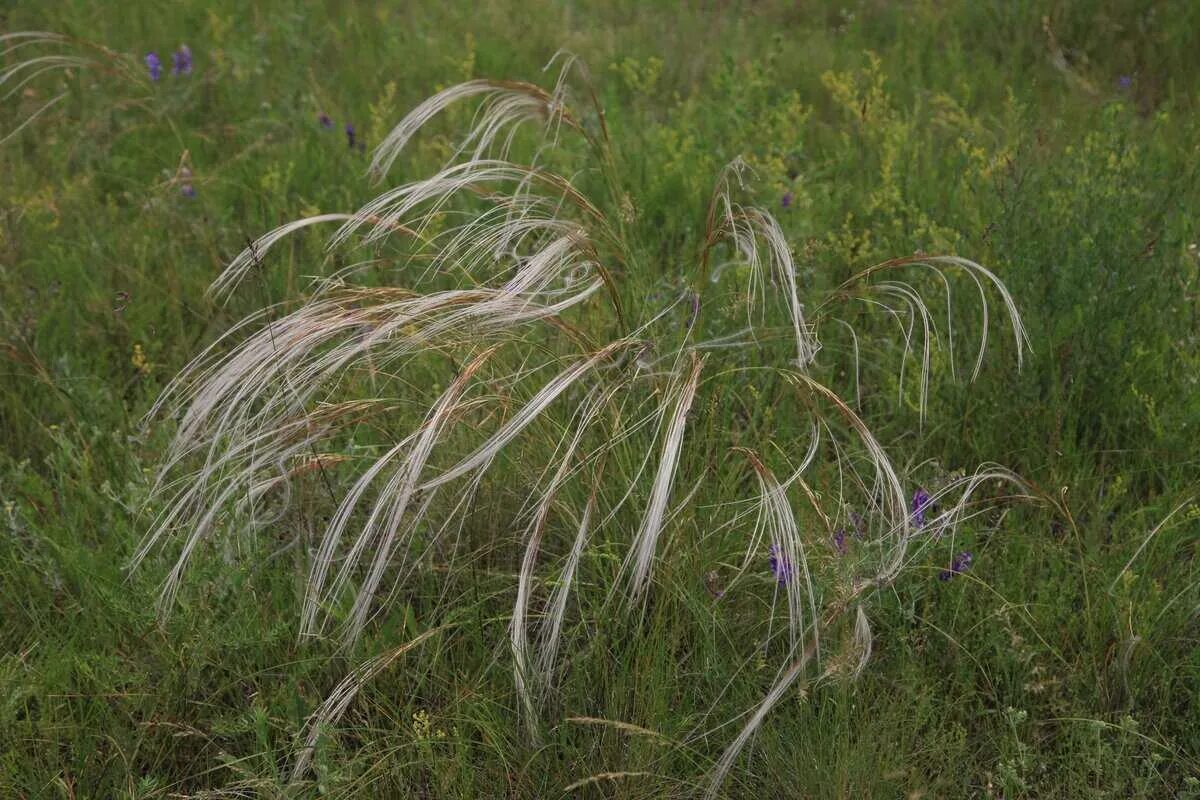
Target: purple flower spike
{"x":958,"y":565}
{"x":920,"y":502}
{"x":1125,"y":81}
{"x":350,"y":135}
{"x":780,"y":566}
{"x":325,"y":121}
{"x":154,"y":64}
{"x":839,"y":542}
{"x":187,"y":190}
{"x":181,"y":61}
{"x":786,"y":202}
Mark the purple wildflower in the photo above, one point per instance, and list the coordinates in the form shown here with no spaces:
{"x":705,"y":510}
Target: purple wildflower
{"x":780,"y":566}
{"x":1125,"y":81}
{"x":959,"y":564}
{"x":181,"y":61}
{"x":154,"y":64}
{"x":920,"y":503}
{"x":839,"y":541}
{"x":325,"y":121}
{"x":786,"y":202}
{"x":350,"y":135}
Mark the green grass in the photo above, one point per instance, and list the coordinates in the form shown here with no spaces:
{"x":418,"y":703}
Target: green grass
{"x":1049,"y":670}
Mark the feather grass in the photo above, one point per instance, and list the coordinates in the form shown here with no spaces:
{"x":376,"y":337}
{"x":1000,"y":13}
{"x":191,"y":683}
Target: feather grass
{"x":515,"y":272}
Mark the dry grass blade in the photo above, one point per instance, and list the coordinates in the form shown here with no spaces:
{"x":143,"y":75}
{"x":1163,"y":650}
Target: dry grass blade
{"x":384,"y":528}
{"x":787,"y":545}
{"x":640,"y":557}
{"x":557,"y":605}
{"x":523,"y":663}
{"x":774,"y":695}
{"x":624,"y":727}
{"x":605,"y":776}
{"x":1146,"y":541}
{"x":506,"y":103}
{"x":341,"y":697}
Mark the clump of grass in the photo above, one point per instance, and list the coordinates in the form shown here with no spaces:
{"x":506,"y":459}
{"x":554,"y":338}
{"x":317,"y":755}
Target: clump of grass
{"x":482,"y":340}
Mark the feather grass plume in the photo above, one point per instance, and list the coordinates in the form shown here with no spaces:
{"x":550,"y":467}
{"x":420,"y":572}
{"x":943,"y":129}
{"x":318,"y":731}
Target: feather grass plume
{"x":512,"y":314}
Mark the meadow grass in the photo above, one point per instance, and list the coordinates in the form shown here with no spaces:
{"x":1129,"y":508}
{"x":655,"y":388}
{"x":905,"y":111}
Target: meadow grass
{"x":1058,"y":148}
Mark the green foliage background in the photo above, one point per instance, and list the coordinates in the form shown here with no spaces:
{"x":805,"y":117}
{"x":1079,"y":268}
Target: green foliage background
{"x":999,"y":131}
